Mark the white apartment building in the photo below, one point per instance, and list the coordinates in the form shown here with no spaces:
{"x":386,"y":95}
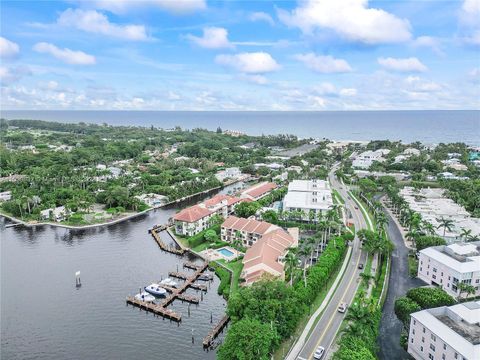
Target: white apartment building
{"x":447,"y":266}
{"x":308,"y":195}
{"x":446,"y":333}
{"x":366,"y":158}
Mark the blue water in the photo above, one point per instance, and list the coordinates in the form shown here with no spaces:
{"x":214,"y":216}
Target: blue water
{"x":408,"y":126}
{"x":225,"y":252}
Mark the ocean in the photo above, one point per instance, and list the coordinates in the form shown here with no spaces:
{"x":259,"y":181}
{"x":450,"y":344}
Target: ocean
{"x":408,"y":126}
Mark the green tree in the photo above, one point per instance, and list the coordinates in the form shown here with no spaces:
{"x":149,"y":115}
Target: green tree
{"x":426,"y":241}
{"x":446,"y":224}
{"x":210,"y":236}
{"x":248,"y":339}
{"x":405,"y":306}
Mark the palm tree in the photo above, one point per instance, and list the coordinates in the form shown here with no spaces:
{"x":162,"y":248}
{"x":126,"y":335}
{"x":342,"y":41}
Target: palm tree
{"x":446,"y":224}
{"x":291,"y":263}
{"x":466,"y":234}
{"x":428,"y":227}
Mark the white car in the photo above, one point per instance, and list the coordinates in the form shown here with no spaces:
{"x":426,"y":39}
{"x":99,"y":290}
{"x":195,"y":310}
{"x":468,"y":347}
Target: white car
{"x":319,"y":353}
{"x":343,"y":307}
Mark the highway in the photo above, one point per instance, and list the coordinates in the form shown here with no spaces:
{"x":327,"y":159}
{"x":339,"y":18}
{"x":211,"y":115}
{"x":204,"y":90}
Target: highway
{"x":326,"y":329}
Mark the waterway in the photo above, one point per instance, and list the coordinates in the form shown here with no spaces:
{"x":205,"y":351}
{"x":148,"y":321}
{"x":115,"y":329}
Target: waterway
{"x":44,"y":316}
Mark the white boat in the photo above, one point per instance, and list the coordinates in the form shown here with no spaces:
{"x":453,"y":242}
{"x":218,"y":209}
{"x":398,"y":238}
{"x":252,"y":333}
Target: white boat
{"x":169,"y":282}
{"x":145,"y":296}
{"x":156,"y":290}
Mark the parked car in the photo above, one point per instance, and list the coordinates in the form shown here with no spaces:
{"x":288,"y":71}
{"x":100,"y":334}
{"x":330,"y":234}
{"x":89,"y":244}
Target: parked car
{"x":343,"y":307}
{"x":360,"y":266}
{"x":319,"y":353}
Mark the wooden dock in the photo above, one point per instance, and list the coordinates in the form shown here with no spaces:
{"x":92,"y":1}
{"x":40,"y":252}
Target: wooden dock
{"x":178,"y":275}
{"x":199,"y":287}
{"x":156,"y":309}
{"x":191,"y":265}
{"x":163,"y":246}
{"x":207,"y":340}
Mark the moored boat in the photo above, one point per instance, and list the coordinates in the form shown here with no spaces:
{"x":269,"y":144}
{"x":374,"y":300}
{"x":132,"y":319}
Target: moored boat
{"x":155,"y":289}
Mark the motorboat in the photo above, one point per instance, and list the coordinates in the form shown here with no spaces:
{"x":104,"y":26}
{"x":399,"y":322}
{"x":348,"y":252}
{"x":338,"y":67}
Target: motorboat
{"x":155,"y":289}
{"x":206,"y":277}
{"x":169,"y":282}
{"x":145,"y":296}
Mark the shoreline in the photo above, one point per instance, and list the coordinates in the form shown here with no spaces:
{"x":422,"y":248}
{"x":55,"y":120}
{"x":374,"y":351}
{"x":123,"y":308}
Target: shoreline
{"x":118,"y":220}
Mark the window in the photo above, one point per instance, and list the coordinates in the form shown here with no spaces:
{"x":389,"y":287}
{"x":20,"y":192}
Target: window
{"x":434,"y":276}
{"x":411,"y":340}
{"x":423,"y":339}
{"x":413,"y":332}
{"x":414,"y":322}
{"x":455,"y":356}
{"x":433,"y":337}
{"x":430,"y":356}
{"x":421,"y":348}
{"x":477,"y":281}
{"x":424,"y":330}
{"x":444,"y":346}
{"x":434,"y":270}
{"x":432,"y":347}
{"x":443,"y":357}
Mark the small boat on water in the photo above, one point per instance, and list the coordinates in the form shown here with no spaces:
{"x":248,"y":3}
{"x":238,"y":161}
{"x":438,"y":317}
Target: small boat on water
{"x":169,"y":282}
{"x":145,"y":296}
{"x":156,"y":290}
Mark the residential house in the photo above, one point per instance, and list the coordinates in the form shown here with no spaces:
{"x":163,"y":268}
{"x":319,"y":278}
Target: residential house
{"x":258,"y":191}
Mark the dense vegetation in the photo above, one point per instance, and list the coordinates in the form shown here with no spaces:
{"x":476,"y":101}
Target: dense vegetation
{"x":277,"y":306}
{"x":80,"y":165}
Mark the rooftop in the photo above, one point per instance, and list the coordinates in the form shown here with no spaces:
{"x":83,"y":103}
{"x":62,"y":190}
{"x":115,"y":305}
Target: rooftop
{"x":260,"y":189}
{"x":459,"y":257}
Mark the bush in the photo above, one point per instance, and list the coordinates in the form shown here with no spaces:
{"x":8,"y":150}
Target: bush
{"x":199,"y":238}
{"x":430,"y":297}
{"x":405,"y":306}
{"x":423,"y":242}
{"x":225,"y":279}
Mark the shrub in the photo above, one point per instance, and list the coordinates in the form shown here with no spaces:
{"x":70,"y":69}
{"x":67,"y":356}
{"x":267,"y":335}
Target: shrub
{"x":404,"y":306}
{"x":430,"y":297}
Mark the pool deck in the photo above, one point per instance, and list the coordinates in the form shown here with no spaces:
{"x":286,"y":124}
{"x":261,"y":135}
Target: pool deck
{"x":215,"y":254}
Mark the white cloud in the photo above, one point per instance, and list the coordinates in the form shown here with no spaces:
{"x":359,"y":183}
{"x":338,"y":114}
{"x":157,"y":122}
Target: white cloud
{"x":261,"y":16}
{"x":348,"y":92}
{"x":173,"y":96}
{"x":66,"y":55}
{"x":324,"y":64}
{"x":254,"y":79}
{"x":411,"y":64}
{"x":428,"y":42}
{"x":249,"y":63}
{"x":351,"y":19}
{"x":328,"y":89}
{"x":8,"y":49}
{"x":95,"y":22}
{"x":474,"y":38}
{"x":213,"y":38}
{"x":470,"y":12}
{"x":124,"y":6}
{"x":9,"y":75}
{"x":417,"y":84}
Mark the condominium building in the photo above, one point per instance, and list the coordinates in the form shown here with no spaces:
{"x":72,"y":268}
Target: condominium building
{"x":432,"y":205}
{"x":192,"y":220}
{"x":308,"y":196}
{"x":258,"y":191}
{"x":248,"y":231}
{"x":266,"y":256}
{"x":446,"y":333}
{"x":448,"y":266}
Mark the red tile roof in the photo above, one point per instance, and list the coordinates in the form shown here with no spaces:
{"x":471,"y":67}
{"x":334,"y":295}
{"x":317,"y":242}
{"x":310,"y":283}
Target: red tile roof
{"x":192,"y":214}
{"x":248,"y":225}
{"x":260,"y":189}
{"x":266,"y":251}
{"x":217,"y":199}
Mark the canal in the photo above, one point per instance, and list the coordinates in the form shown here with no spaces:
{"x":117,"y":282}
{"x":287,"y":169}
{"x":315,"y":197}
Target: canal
{"x":44,"y":316}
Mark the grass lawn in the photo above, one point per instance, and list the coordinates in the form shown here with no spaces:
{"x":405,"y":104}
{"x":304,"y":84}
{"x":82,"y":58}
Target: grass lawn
{"x":236,"y":267}
{"x":412,"y":266}
{"x":338,"y":197}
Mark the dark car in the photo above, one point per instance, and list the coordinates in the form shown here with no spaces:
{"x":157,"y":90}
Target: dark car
{"x":360,"y":266}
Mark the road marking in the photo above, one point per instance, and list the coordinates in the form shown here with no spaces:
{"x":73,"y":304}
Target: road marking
{"x":335,"y":311}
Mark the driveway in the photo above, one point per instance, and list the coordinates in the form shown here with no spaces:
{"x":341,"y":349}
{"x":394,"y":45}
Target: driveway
{"x":399,"y":283}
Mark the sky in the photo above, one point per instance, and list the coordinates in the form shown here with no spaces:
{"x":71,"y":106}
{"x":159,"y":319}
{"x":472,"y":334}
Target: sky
{"x":240,"y":55}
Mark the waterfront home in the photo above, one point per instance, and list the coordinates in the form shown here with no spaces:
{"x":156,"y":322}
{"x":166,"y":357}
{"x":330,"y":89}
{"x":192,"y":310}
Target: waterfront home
{"x":56,"y":214}
{"x":6,"y":196}
{"x":194,"y":219}
{"x":449,"y":266}
{"x":258,"y":191}
{"x":153,"y":200}
{"x":446,"y":332}
{"x":308,"y":196}
{"x":230,"y":173}
{"x":267,"y":255}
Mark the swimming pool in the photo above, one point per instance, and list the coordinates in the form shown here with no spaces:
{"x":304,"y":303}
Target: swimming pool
{"x":225,"y":252}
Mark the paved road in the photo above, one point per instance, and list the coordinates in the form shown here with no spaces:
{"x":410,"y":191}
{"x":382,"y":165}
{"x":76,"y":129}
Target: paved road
{"x":399,"y":283}
{"x":325,"y":331}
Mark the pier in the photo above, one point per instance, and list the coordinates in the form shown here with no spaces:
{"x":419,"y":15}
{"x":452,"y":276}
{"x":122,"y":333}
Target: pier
{"x":207,"y":340}
{"x":175,"y":293}
{"x":168,"y":248}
